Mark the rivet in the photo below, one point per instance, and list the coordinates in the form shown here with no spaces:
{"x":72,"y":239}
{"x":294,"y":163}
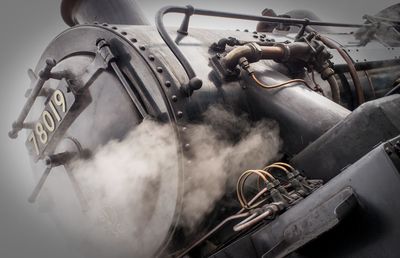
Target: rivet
{"x":159,"y":69}
{"x":184,"y":129}
{"x":95,"y":22}
{"x":133,"y":40}
{"x":114,"y":28}
{"x":179,"y":114}
{"x":142,"y":47}
{"x":105,"y":24}
{"x":167,"y":84}
{"x":246,"y":30}
{"x":187,"y":146}
{"x":254,"y":32}
{"x":124,"y":33}
{"x":255,"y":36}
{"x":151,"y":57}
{"x":174,"y":98}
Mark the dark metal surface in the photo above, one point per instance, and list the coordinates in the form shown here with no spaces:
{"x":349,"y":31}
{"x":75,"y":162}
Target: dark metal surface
{"x":369,"y":54}
{"x":372,"y":228}
{"x":303,"y":115}
{"x":370,"y":124}
{"x":376,"y":82}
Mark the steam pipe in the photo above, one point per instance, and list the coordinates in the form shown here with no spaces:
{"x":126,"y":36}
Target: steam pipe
{"x":353,"y":72}
{"x":334,"y":88}
{"x":253,"y":53}
{"x":127,"y":12}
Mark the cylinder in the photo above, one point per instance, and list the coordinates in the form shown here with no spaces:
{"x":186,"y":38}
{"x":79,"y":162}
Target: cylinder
{"x":127,"y":12}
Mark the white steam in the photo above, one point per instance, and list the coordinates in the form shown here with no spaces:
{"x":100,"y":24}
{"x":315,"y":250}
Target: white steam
{"x":132,"y":185}
{"x":224,"y":146}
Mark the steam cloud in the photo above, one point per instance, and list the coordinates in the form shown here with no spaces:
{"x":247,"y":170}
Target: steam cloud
{"x":134,"y":182}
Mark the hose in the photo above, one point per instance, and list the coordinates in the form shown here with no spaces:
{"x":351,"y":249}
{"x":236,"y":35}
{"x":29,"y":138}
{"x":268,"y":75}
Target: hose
{"x":241,"y":182}
{"x":353,"y":72}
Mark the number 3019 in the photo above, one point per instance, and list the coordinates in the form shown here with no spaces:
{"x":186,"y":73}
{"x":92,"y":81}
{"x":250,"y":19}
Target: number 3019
{"x":48,"y":120}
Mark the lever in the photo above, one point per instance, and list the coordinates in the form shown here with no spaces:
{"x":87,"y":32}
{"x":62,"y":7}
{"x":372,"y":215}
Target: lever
{"x":39,"y":186}
{"x":51,"y":161}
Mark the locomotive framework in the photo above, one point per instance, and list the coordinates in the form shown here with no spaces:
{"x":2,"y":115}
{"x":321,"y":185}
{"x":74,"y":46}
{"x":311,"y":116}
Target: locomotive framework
{"x":340,"y":129}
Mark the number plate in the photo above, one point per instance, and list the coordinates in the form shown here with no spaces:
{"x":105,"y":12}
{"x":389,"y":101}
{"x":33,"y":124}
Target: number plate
{"x":50,"y":120}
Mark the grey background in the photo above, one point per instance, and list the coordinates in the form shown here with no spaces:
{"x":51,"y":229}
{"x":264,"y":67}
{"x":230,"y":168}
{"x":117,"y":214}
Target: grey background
{"x":26,"y":27}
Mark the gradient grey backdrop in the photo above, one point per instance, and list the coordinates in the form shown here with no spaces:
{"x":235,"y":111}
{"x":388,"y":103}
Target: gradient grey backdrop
{"x":26,"y":27}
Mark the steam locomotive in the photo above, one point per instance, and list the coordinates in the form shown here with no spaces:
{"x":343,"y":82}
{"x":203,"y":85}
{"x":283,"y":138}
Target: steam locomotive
{"x":332,"y":88}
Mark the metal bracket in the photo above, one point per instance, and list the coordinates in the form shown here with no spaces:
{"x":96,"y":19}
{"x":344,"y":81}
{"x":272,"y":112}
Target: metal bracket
{"x":109,"y":58}
{"x":44,"y":75}
{"x":100,"y":63}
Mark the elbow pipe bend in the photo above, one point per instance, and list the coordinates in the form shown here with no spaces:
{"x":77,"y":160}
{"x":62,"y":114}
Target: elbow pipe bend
{"x":253,"y":53}
{"x":279,"y":52}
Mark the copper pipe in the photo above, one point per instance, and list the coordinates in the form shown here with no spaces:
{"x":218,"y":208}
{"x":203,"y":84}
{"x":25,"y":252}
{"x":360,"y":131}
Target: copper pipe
{"x":253,"y":53}
{"x":252,"y":220}
{"x":258,"y":195}
{"x":270,"y":210}
{"x":356,"y":81}
{"x":279,"y":85}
